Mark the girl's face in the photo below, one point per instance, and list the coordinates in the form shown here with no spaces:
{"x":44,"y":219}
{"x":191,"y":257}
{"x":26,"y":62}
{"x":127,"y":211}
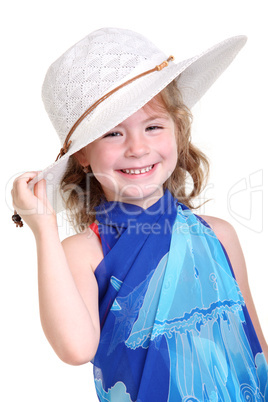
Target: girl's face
{"x":133,"y":160}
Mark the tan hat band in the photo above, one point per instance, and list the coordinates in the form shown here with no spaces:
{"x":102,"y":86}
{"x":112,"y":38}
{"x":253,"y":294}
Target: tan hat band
{"x":68,"y":142}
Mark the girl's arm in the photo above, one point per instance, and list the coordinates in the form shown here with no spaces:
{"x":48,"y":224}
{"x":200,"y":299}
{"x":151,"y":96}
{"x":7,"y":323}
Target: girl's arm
{"x":68,"y":296}
{"x":229,"y":239}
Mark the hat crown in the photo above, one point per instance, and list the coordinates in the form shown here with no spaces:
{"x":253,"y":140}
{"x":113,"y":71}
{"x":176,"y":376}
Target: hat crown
{"x":91,"y":68}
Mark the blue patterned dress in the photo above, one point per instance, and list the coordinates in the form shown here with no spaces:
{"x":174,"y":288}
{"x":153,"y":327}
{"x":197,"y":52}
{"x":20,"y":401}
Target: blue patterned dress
{"x":174,"y":325}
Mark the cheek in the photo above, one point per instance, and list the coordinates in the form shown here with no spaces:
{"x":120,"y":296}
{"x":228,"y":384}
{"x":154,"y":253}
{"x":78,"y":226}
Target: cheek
{"x":98,"y":158}
{"x":170,"y":151}
{"x":169,"y":148}
{"x":103,"y":174}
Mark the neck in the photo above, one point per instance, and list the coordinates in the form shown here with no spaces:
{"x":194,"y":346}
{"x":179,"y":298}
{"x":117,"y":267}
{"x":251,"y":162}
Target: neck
{"x":144,"y":202}
{"x":121,"y":214}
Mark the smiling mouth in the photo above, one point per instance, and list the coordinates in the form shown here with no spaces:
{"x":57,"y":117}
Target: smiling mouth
{"x":138,"y":171}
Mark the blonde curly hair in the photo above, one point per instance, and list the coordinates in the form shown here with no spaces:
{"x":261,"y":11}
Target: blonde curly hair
{"x":82,"y":192}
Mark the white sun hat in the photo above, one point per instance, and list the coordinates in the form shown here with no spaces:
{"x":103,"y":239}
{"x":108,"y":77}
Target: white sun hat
{"x":109,"y":75}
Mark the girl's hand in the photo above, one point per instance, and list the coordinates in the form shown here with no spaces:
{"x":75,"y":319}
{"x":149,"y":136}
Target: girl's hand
{"x":33,"y":207}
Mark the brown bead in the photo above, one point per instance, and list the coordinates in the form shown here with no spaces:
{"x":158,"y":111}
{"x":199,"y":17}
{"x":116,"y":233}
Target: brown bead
{"x":17,"y":220}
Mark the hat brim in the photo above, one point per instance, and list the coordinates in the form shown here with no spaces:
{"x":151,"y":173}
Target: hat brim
{"x":194,"y":77}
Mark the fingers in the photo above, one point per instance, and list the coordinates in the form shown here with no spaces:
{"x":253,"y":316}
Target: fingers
{"x":40,"y":189}
{"x":23,"y":180}
{"x":22,"y":196}
{"x":27,"y":175}
{"x":31,"y":202}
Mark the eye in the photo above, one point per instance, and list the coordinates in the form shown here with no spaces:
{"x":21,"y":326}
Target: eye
{"x":112,"y":134}
{"x":153,"y":128}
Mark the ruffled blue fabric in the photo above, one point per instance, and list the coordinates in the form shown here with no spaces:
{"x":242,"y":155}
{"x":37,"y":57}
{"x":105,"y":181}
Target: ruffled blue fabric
{"x":174,"y":325}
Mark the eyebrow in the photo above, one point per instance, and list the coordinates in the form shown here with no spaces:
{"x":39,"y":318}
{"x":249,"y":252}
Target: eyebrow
{"x":157,"y":116}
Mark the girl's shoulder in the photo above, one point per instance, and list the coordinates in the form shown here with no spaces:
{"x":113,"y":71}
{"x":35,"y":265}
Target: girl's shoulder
{"x":227,"y":235}
{"x":84,"y":247}
{"x":223,"y":229}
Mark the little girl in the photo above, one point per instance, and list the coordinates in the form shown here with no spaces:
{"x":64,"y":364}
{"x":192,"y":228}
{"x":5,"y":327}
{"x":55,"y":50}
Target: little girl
{"x":154,"y":295}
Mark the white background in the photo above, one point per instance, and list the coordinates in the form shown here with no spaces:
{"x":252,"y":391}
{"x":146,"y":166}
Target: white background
{"x":230,"y":126}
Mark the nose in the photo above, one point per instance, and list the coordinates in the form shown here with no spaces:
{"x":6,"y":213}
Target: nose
{"x":137,"y":146}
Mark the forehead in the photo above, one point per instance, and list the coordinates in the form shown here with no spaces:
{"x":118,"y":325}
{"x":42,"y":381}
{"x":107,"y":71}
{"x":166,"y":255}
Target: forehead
{"x":151,"y":111}
{"x":155,"y":108}
{"x":156,"y":105}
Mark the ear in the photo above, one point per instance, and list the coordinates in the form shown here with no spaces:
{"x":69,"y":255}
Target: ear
{"x":81,"y":157}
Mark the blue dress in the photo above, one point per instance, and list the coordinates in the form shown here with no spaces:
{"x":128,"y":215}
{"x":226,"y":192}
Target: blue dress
{"x":174,"y":325}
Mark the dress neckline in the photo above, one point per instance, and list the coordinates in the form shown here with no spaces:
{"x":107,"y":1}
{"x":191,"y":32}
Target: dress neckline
{"x":117,"y":213}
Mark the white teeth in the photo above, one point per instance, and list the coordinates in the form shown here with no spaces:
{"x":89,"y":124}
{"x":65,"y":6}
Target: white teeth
{"x":137,"y":171}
